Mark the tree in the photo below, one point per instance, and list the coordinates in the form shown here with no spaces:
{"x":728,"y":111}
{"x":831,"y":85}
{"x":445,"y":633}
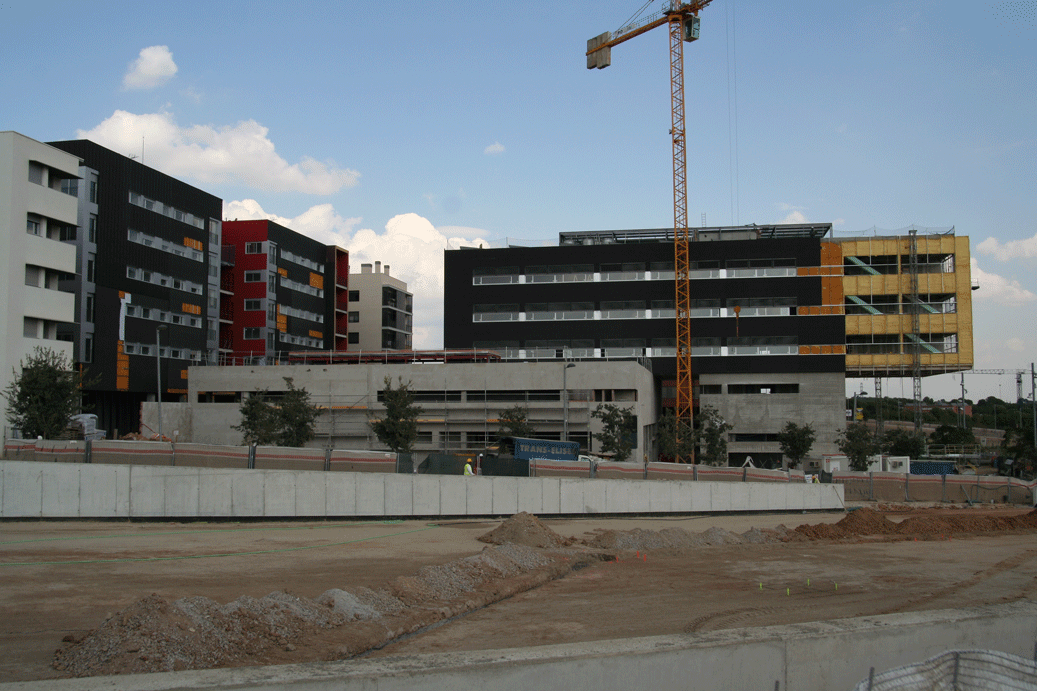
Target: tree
{"x":618,"y":429}
{"x":900,"y":442}
{"x":1021,"y":449}
{"x":514,"y":422}
{"x":858,"y":444}
{"x":289,"y":420}
{"x":796,"y":441}
{"x":952,"y":435}
{"x":45,"y":395}
{"x":398,"y":428}
{"x":712,"y":436}
{"x":666,"y":437}
{"x":297,"y":417}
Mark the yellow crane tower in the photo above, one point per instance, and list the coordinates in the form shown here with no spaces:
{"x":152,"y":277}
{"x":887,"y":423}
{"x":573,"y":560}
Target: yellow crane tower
{"x":683,"y":21}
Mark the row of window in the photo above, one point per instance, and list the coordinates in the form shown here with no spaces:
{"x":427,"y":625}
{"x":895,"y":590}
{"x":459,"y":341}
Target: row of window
{"x":155,"y":277}
{"x":168,"y":352}
{"x":301,"y":287}
{"x":301,"y":340}
{"x":164,"y":245}
{"x":56,"y":180}
{"x":166,"y":210}
{"x":163,"y":316}
{"x":302,"y":261}
{"x":300,"y":314}
{"x":632,"y":309}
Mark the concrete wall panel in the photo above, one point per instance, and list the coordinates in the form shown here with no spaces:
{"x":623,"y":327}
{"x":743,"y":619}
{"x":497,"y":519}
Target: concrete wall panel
{"x":216,"y":492}
{"x":23,"y":490}
{"x":278,"y":492}
{"x":479,"y":496}
{"x":570,"y":493}
{"x":639,"y":499}
{"x":104,"y":491}
{"x":399,"y":495}
{"x":180,"y":489}
{"x":370,"y":494}
{"x":60,"y":487}
{"x":311,"y":494}
{"x":595,"y":499}
{"x":147,"y":492}
{"x":530,"y":495}
{"x":340,"y":492}
{"x":551,"y":494}
{"x":248,"y":497}
{"x":427,"y":494}
{"x":660,"y":496}
{"x":453,"y":495}
{"x":505,"y":495}
{"x":740,"y":497}
{"x":617,"y":494}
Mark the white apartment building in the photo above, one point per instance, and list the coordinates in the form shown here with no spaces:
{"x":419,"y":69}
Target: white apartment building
{"x":381,"y":311}
{"x":38,"y":213}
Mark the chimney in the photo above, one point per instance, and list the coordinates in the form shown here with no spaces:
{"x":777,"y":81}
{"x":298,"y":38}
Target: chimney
{"x":365,"y":268}
{"x":378,"y":267}
{"x":386,"y":269}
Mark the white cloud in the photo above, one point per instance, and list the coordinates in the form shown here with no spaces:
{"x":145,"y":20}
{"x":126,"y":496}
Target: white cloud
{"x":1015,"y":344}
{"x":1013,"y":249}
{"x":794,"y":217}
{"x":494,"y":148}
{"x":240,"y":153}
{"x":999,"y":289}
{"x":410,"y":245}
{"x":154,"y":67}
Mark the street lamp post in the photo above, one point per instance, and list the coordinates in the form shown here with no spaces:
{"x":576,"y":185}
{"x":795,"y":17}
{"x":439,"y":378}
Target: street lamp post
{"x":565,"y":402}
{"x":158,"y":374}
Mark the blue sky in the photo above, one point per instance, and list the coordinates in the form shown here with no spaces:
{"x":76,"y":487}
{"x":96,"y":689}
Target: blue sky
{"x":399,"y":129}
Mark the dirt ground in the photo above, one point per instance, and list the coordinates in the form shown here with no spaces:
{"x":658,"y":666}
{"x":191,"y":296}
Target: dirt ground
{"x":121,"y":591}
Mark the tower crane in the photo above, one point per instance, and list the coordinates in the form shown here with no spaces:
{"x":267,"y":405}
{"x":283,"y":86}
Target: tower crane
{"x":682,"y":19}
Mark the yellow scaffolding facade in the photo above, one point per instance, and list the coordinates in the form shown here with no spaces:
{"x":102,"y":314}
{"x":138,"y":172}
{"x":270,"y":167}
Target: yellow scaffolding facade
{"x":881,"y":300}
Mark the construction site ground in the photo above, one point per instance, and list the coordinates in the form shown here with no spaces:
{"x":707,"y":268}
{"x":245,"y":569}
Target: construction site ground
{"x":64,"y":583}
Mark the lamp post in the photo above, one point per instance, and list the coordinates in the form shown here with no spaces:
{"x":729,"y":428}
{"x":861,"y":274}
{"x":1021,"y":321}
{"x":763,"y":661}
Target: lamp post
{"x":565,"y":402}
{"x":158,"y":374}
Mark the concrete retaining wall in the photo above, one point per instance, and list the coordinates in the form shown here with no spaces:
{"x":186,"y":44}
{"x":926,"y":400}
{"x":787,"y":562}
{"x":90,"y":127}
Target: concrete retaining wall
{"x":901,"y":487}
{"x":81,"y":490}
{"x":816,"y":656}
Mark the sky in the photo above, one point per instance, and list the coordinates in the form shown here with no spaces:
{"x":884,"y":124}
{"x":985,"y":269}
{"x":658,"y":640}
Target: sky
{"x":398,"y":130}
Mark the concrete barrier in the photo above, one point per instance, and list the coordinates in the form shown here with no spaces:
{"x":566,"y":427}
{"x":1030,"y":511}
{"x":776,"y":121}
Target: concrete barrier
{"x":209,"y":456}
{"x":363,"y":461}
{"x":282,"y":458}
{"x":132,"y":452}
{"x":68,"y":490}
{"x":60,"y":451}
{"x":814,"y":656}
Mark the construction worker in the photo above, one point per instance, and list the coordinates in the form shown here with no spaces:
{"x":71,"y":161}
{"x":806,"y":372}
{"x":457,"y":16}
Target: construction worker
{"x":468,"y":467}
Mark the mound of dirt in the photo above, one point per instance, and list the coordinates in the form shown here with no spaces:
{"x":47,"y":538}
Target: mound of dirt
{"x":524,"y":529}
{"x":156,"y":635}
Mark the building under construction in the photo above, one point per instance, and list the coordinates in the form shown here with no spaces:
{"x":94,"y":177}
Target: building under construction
{"x":781,"y":315}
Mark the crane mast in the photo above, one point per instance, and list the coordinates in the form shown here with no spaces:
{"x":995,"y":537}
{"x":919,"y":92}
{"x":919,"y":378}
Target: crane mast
{"x":683,"y":23}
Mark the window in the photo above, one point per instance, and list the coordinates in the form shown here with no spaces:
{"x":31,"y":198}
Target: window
{"x":30,"y":327}
{"x":354,"y":317}
{"x":251,"y":333}
{"x":32,"y":226}
{"x":36,"y":172}
{"x":93,"y":191}
{"x":253,"y":248}
{"x":91,"y":234}
{"x":354,"y":296}
{"x":70,"y":186}
{"x":253,"y":277}
{"x":90,"y":264}
{"x":32,"y":276}
{"x":88,"y":349}
{"x":90,"y":308}
{"x":354,"y":337}
{"x":252,"y":305}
